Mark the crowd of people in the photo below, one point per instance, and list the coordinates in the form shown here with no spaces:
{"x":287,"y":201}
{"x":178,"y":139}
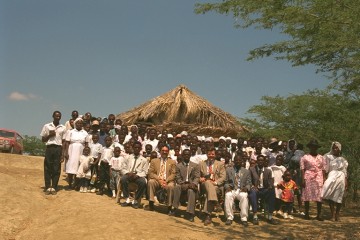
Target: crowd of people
{"x":104,"y":156}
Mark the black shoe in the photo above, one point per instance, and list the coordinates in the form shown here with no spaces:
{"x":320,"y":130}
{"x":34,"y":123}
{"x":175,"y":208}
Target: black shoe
{"x":135,"y":205}
{"x":228,"y":222}
{"x":256,"y":221}
{"x":273,"y":221}
{"x":191,"y":217}
{"x":53,"y":192}
{"x":150,"y":207}
{"x":244,"y":223}
{"x":171,"y":213}
{"x":125,"y":204}
{"x":307,"y":217}
{"x":319,"y":218}
{"x":207,"y":220}
{"x":100,"y":192}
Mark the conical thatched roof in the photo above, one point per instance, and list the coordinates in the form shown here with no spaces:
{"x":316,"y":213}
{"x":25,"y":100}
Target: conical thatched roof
{"x":181,"y":109}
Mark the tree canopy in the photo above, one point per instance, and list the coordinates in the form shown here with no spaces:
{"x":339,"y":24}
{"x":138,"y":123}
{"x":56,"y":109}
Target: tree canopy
{"x":325,"y":33}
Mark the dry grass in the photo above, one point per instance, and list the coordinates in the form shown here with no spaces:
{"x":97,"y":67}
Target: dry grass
{"x":182,"y":109}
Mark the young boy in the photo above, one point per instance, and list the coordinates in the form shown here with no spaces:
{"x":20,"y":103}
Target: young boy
{"x":288,"y":187}
{"x":106,"y":155}
{"x":116,"y":163}
{"x":278,"y":172}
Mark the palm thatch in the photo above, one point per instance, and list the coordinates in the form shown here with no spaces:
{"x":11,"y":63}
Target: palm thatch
{"x":180,"y":109}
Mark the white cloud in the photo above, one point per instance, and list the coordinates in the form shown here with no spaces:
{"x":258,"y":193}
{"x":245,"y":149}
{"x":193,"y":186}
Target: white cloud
{"x":16,"y":96}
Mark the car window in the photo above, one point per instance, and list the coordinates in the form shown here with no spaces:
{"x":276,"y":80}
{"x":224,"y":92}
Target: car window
{"x":19,"y":138}
{"x":7,"y":134}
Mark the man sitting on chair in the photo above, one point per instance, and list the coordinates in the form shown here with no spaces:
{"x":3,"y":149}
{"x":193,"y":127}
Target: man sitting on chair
{"x":162,"y":175}
{"x":262,"y":187}
{"x":134,"y":170}
{"x":212,"y":177}
{"x":237,"y":185}
{"x":187,"y":180}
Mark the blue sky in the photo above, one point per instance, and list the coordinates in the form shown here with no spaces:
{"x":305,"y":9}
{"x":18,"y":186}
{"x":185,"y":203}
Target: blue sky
{"x":109,"y":56}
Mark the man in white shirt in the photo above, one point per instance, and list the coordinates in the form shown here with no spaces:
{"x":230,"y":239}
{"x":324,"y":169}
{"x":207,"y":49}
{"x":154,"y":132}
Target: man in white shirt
{"x":52,"y":134}
{"x":135,"y":170}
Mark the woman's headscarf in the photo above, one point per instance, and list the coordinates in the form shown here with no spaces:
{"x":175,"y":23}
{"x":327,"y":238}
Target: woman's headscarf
{"x":336,"y":144}
{"x":78,"y":119}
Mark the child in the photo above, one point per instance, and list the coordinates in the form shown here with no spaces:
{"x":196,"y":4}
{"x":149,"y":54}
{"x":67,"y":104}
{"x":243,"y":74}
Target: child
{"x":288,"y":187}
{"x":278,"y":171}
{"x":84,"y":171}
{"x":104,"y":171}
{"x":96,"y":149}
{"x":116,"y":163}
{"x":147,"y":152}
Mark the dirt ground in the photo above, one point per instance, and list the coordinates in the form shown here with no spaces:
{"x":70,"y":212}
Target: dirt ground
{"x":26,"y":213}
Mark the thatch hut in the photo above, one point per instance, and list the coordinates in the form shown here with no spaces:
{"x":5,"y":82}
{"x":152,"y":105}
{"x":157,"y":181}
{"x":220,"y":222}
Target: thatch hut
{"x":182,"y":110}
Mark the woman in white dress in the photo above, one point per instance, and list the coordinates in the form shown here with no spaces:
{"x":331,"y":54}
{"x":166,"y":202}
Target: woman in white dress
{"x":76,"y":140}
{"x":336,"y":182}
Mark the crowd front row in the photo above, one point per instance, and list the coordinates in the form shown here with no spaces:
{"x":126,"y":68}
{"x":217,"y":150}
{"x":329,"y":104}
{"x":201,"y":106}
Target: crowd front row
{"x":212,"y":183}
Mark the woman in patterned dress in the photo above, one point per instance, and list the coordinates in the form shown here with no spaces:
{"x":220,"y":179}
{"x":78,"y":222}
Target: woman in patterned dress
{"x":336,"y":182}
{"x":312,"y":167}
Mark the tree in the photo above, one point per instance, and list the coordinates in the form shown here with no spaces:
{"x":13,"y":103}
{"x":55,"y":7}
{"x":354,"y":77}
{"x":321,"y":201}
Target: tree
{"x":316,"y":114}
{"x":325,"y":33}
{"x":34,"y":146}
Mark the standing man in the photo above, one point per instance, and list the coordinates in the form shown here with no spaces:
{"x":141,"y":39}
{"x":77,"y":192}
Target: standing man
{"x":187,"y":181}
{"x":52,"y":134}
{"x":162,"y":175}
{"x":212,"y":177}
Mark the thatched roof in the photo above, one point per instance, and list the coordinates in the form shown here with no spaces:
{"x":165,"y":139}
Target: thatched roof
{"x":181,"y":109}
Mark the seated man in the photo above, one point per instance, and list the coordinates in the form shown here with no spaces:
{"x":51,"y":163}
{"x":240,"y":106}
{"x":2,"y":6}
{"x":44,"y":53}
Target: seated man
{"x":161,"y":175}
{"x":262,"y":187}
{"x":237,"y":185}
{"x":134,"y":170}
{"x":212,"y":177}
{"x":187,"y":180}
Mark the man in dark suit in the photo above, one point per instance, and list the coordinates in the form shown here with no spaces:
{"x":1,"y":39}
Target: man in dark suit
{"x":262,"y":187}
{"x":237,"y":185}
{"x":187,"y":181}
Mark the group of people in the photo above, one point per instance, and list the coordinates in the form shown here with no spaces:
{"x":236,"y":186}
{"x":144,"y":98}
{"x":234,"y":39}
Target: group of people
{"x":181,"y":168}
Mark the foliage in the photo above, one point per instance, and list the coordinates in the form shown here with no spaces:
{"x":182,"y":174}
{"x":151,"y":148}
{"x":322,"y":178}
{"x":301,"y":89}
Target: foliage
{"x":34,"y":146}
{"x":325,"y":33}
{"x":315,"y":114}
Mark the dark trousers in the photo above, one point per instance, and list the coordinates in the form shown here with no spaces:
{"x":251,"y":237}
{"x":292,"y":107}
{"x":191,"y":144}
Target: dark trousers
{"x":52,"y":166}
{"x":140,"y":182}
{"x":104,"y":176}
{"x":84,"y":182}
{"x":288,"y":206}
{"x":268,"y":195}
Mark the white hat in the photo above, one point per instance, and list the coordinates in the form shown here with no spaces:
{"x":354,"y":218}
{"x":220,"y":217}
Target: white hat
{"x":170,"y":135}
{"x":234,"y":141}
{"x":228,"y":138}
{"x":209,"y":139}
{"x":184,"y":133}
{"x":222,"y":137}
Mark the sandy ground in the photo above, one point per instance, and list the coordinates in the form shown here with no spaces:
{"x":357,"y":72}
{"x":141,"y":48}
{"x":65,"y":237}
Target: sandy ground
{"x":26,"y":213}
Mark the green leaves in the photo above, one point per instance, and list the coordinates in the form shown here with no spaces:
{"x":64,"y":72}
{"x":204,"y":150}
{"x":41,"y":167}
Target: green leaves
{"x":325,"y":33}
{"x":34,"y":146}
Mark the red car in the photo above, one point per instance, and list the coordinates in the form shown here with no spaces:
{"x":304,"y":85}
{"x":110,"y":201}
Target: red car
{"x":11,"y":141}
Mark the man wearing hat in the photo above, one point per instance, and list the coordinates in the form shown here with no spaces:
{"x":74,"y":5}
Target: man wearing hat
{"x":312,"y":167}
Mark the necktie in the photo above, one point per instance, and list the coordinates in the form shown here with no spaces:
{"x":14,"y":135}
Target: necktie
{"x":187,"y":172}
{"x":162,"y":170}
{"x":133,"y":167}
